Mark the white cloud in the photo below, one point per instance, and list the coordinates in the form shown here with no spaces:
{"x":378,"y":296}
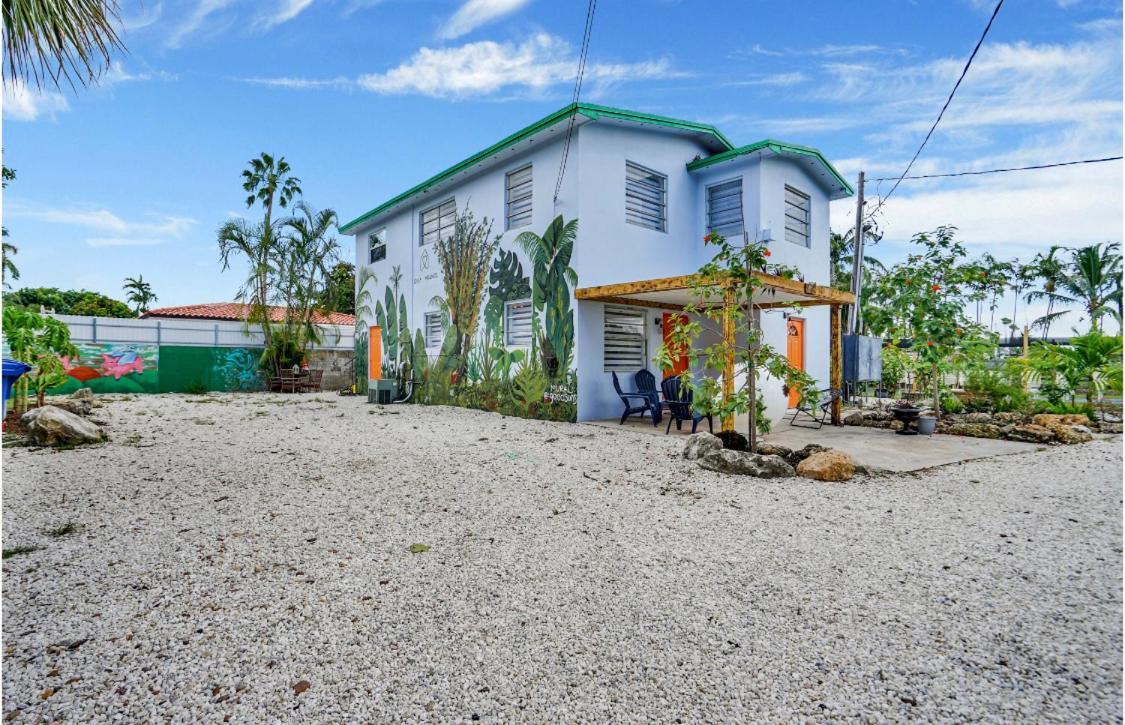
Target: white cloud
{"x":23,"y":103}
{"x":159,"y":227}
{"x":779,"y":80}
{"x":123,"y":242}
{"x":203,"y":10}
{"x":475,"y":13}
{"x":829,"y":50}
{"x":487,"y":66}
{"x":299,"y":83}
{"x":285,"y":11}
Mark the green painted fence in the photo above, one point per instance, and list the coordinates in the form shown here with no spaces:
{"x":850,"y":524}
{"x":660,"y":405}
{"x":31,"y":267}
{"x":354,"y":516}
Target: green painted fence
{"x":145,"y":368}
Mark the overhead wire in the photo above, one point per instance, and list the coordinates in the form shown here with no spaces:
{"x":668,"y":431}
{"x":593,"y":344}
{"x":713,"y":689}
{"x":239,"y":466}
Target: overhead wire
{"x":583,"y":52}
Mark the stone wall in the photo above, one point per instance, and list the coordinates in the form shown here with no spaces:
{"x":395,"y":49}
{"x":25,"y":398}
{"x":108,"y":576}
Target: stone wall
{"x":337,"y":366}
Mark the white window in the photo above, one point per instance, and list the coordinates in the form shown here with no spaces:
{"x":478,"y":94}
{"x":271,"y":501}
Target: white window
{"x":377,"y":246}
{"x":624,"y":340}
{"x":433,"y":329}
{"x":724,"y":208}
{"x":796,"y":217}
{"x":517,"y":198}
{"x":645,"y":197}
{"x":437,"y":222}
{"x":517,"y":323}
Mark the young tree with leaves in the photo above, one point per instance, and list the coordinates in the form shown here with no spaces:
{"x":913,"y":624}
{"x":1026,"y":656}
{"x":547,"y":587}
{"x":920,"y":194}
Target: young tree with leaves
{"x":723,"y":293}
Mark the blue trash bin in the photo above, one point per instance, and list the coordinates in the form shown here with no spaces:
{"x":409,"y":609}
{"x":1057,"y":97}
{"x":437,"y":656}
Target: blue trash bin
{"x":13,"y":369}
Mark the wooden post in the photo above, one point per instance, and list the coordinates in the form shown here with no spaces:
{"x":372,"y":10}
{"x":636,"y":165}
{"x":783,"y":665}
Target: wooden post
{"x":728,"y":361}
{"x":836,"y":368}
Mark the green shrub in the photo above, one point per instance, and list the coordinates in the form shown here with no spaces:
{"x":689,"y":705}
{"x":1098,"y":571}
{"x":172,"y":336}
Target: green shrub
{"x":950,"y":403}
{"x":995,"y":391}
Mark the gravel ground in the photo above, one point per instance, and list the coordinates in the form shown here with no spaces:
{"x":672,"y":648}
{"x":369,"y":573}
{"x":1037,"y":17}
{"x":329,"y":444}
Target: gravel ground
{"x":248,"y":557}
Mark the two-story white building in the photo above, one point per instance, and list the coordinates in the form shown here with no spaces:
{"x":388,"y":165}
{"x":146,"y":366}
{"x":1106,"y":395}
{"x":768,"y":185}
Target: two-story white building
{"x":644,"y":190}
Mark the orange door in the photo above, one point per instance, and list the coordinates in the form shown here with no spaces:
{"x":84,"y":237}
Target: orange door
{"x":680,"y":362}
{"x":795,"y":350}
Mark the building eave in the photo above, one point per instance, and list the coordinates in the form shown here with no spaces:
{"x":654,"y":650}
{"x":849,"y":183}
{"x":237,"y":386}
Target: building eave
{"x":822,"y":168}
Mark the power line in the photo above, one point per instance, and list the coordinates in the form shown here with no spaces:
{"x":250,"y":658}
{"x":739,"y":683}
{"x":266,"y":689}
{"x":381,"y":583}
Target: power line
{"x":590,"y":7}
{"x":995,"y":171}
{"x":956,"y":85}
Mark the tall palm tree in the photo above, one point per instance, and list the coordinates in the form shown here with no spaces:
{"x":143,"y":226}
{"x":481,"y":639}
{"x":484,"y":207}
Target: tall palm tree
{"x":139,"y":292}
{"x":58,"y":40}
{"x":1091,"y":280}
{"x":269,"y":182}
{"x":1049,"y":269}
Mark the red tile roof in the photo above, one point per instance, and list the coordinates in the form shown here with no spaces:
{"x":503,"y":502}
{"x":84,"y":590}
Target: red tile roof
{"x":239,"y":311}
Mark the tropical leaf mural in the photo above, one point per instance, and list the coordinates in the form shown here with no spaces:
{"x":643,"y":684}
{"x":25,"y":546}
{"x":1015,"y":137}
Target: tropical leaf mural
{"x":550,"y":255}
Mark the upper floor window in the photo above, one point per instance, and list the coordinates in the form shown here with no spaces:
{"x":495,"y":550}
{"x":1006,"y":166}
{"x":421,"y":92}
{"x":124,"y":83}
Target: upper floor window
{"x":438,"y":221}
{"x":646,"y":197}
{"x":433,"y":329}
{"x":796,"y":216}
{"x":517,"y":198}
{"x":377,"y":246}
{"x":517,"y":323}
{"x":724,"y":208}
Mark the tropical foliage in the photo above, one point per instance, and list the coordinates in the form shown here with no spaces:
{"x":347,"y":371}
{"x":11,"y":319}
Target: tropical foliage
{"x":1089,"y":365}
{"x":39,"y":341}
{"x":8,"y":270}
{"x":58,"y":40}
{"x":67,"y":302}
{"x":1089,"y":279}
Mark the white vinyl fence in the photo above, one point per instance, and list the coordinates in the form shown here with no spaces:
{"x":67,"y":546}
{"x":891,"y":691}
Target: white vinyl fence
{"x":207,"y":333}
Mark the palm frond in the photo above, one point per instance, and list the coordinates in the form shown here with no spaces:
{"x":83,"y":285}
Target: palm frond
{"x":59,"y":40}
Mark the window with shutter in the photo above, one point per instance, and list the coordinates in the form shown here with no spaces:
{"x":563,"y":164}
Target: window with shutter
{"x":624,"y":340}
{"x":377,"y":249}
{"x":517,"y":323}
{"x":433,"y":329}
{"x":517,"y":198}
{"x":796,"y":217}
{"x":437,"y":222}
{"x":646,"y":197}
{"x":724,"y":208}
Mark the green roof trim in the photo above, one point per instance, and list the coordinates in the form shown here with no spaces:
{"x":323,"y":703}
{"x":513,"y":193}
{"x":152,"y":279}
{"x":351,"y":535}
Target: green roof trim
{"x":778,"y":147}
{"x":589,"y":110}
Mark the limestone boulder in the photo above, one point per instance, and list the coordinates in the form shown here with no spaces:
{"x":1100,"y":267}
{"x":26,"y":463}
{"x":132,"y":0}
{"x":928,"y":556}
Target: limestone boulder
{"x":1071,"y":434}
{"x":700,"y":444}
{"x":53,"y":426}
{"x":976,"y":418}
{"x":827,"y":465}
{"x":974,"y":430}
{"x":771,"y":449}
{"x":1049,"y":419}
{"x":854,"y":418}
{"x":1031,"y":433}
{"x":1009,"y":418}
{"x":1110,"y":427}
{"x":741,"y":463}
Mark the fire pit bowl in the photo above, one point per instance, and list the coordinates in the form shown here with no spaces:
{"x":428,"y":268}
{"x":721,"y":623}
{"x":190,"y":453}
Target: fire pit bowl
{"x":908,"y":414}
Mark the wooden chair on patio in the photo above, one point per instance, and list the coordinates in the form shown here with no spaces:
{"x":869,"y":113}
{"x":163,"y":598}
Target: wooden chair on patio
{"x":287,"y":381}
{"x":311,"y":383}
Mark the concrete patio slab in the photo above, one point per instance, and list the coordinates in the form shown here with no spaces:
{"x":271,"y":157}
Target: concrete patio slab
{"x":876,"y":448}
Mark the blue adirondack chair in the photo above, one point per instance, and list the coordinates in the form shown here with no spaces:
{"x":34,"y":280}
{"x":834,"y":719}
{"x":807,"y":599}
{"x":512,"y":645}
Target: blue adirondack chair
{"x":646,"y":383}
{"x":678,"y":398}
{"x":636,"y":402}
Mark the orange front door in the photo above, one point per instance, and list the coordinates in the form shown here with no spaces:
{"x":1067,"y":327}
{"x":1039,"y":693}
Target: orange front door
{"x":795,"y":350}
{"x":680,"y":362}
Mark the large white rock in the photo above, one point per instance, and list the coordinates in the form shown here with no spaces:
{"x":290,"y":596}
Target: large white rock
{"x":700,"y":444}
{"x":53,"y":426}
{"x":741,"y":463}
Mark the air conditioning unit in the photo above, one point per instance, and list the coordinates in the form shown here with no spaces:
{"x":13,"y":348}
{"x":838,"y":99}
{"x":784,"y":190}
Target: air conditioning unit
{"x":381,"y":392}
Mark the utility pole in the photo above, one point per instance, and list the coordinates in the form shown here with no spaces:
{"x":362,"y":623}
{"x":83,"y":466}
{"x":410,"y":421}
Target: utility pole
{"x":857,"y":258}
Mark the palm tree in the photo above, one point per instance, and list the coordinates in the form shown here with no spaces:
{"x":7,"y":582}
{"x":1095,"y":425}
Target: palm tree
{"x":1090,"y":280}
{"x":1048,"y":268}
{"x":267,"y":181}
{"x":58,"y":40}
{"x":138,"y":292}
{"x":8,"y":270}
{"x":304,"y":263}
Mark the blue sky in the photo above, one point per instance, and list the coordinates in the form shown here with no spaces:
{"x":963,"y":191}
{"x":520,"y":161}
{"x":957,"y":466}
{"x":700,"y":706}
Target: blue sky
{"x":366,"y":98}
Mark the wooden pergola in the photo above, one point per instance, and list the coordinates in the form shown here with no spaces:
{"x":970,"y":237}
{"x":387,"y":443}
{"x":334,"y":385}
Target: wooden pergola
{"x":674,"y":294}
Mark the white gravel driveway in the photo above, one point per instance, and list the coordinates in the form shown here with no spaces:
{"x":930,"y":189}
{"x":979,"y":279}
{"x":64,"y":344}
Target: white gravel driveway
{"x":231,"y":553}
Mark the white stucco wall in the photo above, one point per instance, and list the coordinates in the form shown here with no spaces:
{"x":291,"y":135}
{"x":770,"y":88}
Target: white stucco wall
{"x":609,"y":250}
